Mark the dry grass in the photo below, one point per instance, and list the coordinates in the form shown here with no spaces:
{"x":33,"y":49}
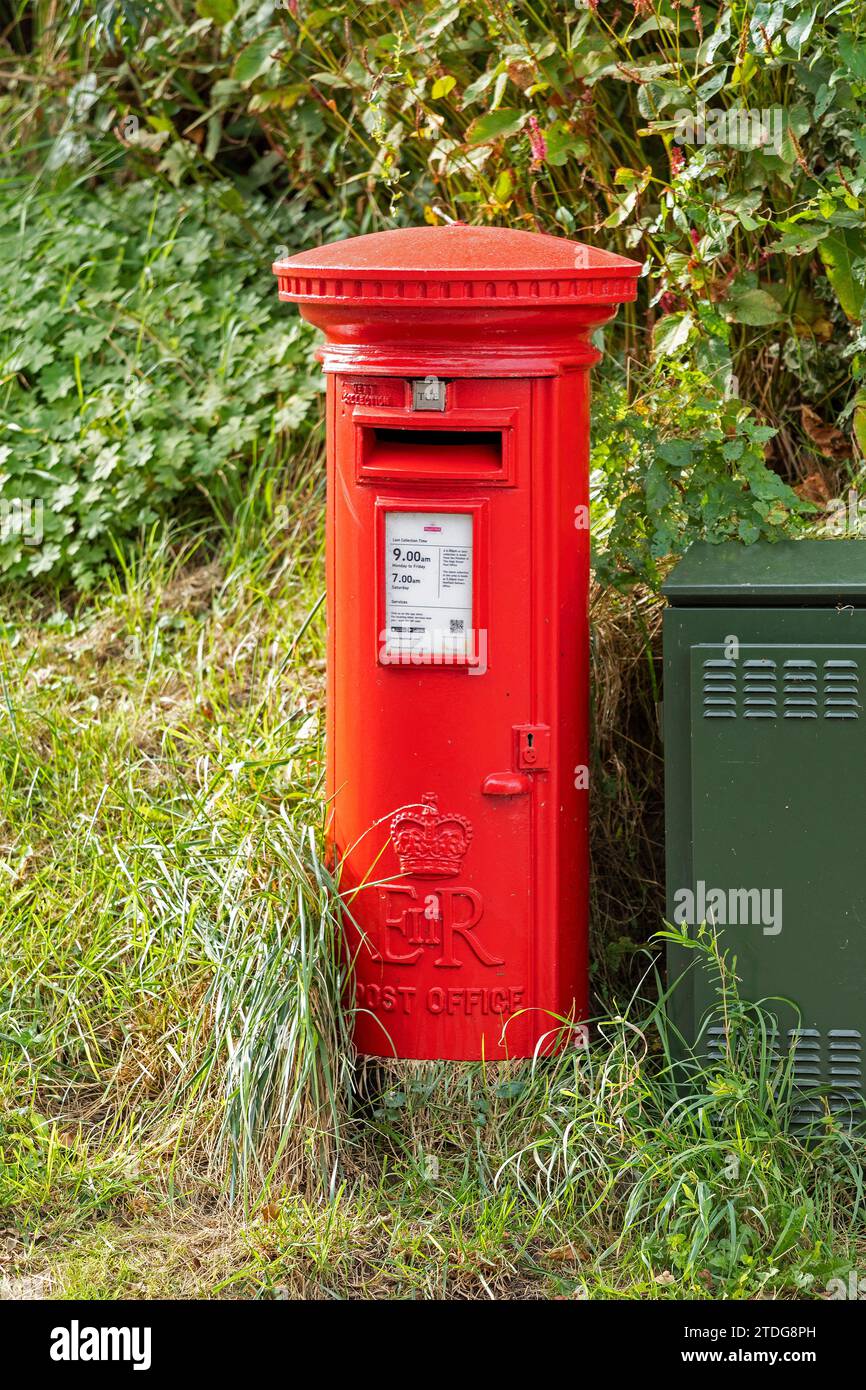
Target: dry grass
{"x":627,"y":805}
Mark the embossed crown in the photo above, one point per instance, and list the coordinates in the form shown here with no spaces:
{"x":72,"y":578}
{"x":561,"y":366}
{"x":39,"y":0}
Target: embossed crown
{"x":429,"y":843}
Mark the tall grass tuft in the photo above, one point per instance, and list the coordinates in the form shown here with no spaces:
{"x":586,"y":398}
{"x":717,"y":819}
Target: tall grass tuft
{"x":279,"y":1039}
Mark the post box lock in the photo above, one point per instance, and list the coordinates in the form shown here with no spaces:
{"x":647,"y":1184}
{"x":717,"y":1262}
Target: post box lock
{"x":533,"y":747}
{"x":531,"y":754}
{"x":428,"y":394}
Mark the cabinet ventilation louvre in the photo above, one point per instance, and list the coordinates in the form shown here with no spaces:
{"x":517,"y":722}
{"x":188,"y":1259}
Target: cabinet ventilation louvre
{"x":759,"y":688}
{"x":753,"y":689}
{"x":801,"y":689}
{"x":720,"y":689}
{"x":841,"y":690}
{"x":826,"y":1072}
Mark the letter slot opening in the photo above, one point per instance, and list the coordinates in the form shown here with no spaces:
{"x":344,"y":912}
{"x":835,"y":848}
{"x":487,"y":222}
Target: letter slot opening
{"x":439,"y":454}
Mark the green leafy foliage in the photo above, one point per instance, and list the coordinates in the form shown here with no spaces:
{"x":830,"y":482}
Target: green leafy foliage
{"x":682,"y":462}
{"x":145,"y":358}
{"x":720,"y":144}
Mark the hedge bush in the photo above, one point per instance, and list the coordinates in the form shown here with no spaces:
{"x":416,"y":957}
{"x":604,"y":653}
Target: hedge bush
{"x":145,"y":358}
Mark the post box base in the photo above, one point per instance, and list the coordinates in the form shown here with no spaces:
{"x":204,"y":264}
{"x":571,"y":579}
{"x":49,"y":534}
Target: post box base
{"x":519,"y":1038}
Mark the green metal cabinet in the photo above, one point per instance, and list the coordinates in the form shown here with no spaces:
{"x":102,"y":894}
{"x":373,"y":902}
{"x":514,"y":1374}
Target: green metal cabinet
{"x":765,"y":753}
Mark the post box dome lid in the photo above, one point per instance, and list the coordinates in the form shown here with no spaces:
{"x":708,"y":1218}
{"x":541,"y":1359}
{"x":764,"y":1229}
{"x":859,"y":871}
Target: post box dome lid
{"x":457,"y":263}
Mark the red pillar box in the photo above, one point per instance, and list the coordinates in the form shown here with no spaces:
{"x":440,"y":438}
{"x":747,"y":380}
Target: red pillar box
{"x":457,"y":571}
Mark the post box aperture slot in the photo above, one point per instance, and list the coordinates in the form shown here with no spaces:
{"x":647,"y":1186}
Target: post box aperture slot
{"x":442,"y":453}
{"x":386,"y":450}
{"x":429,"y":569}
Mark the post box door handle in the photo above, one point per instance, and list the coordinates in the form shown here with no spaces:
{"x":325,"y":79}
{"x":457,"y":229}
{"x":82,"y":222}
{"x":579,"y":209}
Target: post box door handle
{"x":506,"y":784}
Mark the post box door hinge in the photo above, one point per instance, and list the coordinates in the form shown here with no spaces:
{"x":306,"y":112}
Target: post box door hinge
{"x":532,"y":747}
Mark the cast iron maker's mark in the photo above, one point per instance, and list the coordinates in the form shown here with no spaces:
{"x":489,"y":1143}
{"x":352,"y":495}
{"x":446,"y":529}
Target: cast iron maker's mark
{"x":430,"y":843}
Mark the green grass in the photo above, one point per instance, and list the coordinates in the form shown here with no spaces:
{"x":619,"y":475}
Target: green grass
{"x":180,"y":1111}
